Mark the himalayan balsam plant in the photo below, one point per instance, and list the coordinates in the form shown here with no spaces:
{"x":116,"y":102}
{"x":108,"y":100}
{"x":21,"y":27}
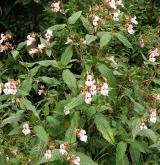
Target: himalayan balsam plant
{"x":72,"y":94}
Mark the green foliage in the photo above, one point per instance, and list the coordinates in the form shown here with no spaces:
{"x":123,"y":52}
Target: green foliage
{"x":79,"y":81}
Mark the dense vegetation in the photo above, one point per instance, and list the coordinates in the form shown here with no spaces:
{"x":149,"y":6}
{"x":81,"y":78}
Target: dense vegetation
{"x":80,"y":82}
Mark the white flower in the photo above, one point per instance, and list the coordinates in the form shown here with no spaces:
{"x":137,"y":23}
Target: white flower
{"x":82,"y":135}
{"x":48,"y":34}
{"x":41,"y":46}
{"x":26,"y":130}
{"x":33,"y":51}
{"x":143,"y":126}
{"x":56,"y":6}
{"x":63,"y":149}
{"x":104,"y":89}
{"x":112,"y":4}
{"x":130,"y":29}
{"x":153,"y":117}
{"x":89,"y":82}
{"x":10,"y":88}
{"x":66,"y":110}
{"x":88,"y":98}
{"x":30,"y":40}
{"x":69,"y":41}
{"x":93,"y":90}
{"x":134,"y":21}
{"x":76,"y":161}
{"x":119,"y":2}
{"x":48,"y":154}
{"x":152,"y":59}
{"x":95,"y":21}
{"x":116,"y":15}
{"x":3,"y":38}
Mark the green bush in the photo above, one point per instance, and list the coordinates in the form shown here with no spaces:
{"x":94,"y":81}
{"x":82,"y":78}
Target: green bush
{"x":79,"y":82}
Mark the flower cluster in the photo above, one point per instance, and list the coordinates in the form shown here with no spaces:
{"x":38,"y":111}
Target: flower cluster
{"x":153,"y":54}
{"x":91,"y":89}
{"x":9,"y":87}
{"x":31,"y":38}
{"x":5,"y":42}
{"x":95,"y":21}
{"x":55,"y":7}
{"x":132,"y":22}
{"x":81,"y":134}
{"x":26,"y":130}
{"x":74,"y":160}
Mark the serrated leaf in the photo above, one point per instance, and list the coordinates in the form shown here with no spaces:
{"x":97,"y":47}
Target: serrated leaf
{"x":67,"y":55}
{"x":51,"y":81}
{"x":135,"y":127}
{"x":74,"y":17}
{"x":85,"y":160}
{"x":103,"y":126}
{"x":57,"y":27}
{"x":41,"y":133}
{"x":24,"y":103}
{"x":26,"y":85}
{"x":75,"y":102}
{"x":104,"y":39}
{"x":150,"y":134}
{"x":70,"y":80}
{"x":13,"y":118}
{"x":88,"y":26}
{"x":120,"y":151}
{"x":123,"y":39}
{"x":90,"y":38}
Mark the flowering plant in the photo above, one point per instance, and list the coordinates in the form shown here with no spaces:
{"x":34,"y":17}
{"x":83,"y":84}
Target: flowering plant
{"x":82,"y":90}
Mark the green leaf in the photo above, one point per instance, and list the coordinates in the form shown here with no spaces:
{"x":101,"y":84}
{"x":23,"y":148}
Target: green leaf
{"x":41,"y":133}
{"x":24,"y":103}
{"x":70,"y":135}
{"x":104,"y":39}
{"x":135,"y":127}
{"x":13,"y":118}
{"x":90,"y":38}
{"x":56,"y":155}
{"x":74,"y":17}
{"x":44,"y":42}
{"x":70,"y":80}
{"x":85,"y":160}
{"x":3,"y":160}
{"x":21,"y":45}
{"x":51,"y":81}
{"x":135,"y":154}
{"x":123,"y":39}
{"x":120,"y":151}
{"x":75,"y":102}
{"x":88,"y":26}
{"x":138,"y":108}
{"x":67,"y":55}
{"x":26,"y":85}
{"x":57,"y":27}
{"x":103,"y":126}
{"x":15,"y":53}
{"x":150,"y":134}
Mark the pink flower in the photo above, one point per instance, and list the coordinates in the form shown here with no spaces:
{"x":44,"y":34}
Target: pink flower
{"x":104,"y":89}
{"x":134,"y":21}
{"x":95,"y":21}
{"x":130,"y":29}
{"x":75,"y":161}
{"x":82,"y":135}
{"x":112,"y":4}
{"x":89,"y":82}
{"x":10,"y":88}
{"x":153,"y":117}
{"x":88,"y":98}
{"x":49,"y":35}
{"x":56,"y":7}
{"x":93,"y":90}
{"x":30,"y":40}
{"x":48,"y":154}
{"x":26,"y":130}
{"x":66,"y":110}
{"x":63,"y":149}
{"x":143,"y":126}
{"x":116,"y":15}
{"x":33,"y":51}
{"x":41,"y":46}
